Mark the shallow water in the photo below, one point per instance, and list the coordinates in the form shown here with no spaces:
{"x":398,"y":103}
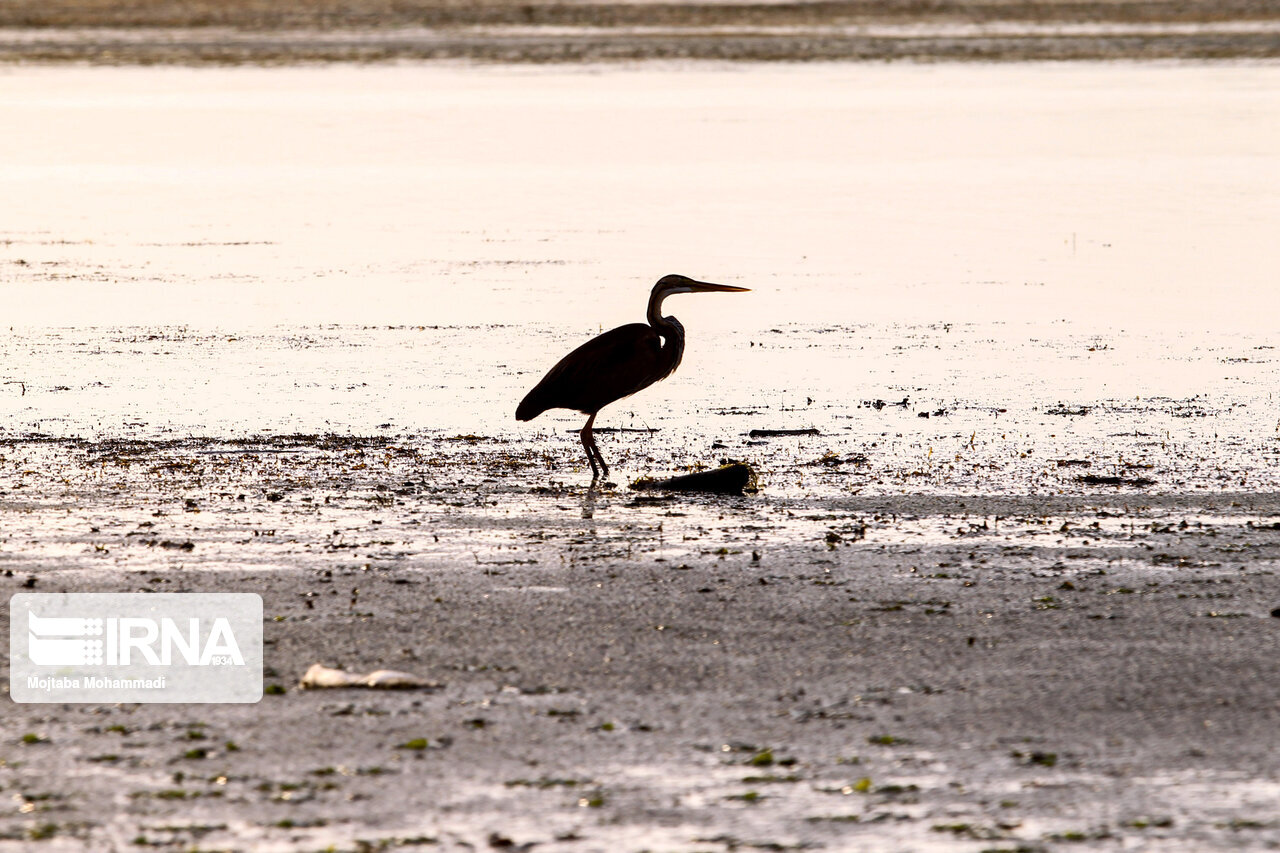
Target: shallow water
{"x":1055,"y":263}
{"x":897,"y":407}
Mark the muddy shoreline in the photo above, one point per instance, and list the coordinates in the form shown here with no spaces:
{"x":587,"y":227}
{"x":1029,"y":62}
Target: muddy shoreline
{"x":201,"y":47}
{"x":692,"y":673}
{"x":251,"y":33}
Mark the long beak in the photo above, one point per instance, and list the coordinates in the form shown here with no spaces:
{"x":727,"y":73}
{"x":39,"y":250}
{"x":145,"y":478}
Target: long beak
{"x":708,"y":287}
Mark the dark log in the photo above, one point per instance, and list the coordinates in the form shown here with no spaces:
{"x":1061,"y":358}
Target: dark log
{"x":732,"y":479}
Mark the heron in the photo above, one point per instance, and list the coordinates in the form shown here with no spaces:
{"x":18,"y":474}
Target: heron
{"x":617,"y":364}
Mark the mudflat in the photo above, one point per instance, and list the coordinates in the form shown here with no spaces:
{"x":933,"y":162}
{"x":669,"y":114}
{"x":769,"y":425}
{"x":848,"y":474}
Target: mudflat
{"x":620,"y":670}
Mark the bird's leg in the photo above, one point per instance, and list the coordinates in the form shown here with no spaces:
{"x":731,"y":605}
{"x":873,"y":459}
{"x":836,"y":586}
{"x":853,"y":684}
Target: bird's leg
{"x":589,"y":445}
{"x":604,"y":466}
{"x":593,"y":451}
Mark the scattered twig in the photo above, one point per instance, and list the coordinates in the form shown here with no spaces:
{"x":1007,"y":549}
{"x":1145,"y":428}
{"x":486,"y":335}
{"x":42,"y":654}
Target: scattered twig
{"x":772,"y":433}
{"x":618,"y":429}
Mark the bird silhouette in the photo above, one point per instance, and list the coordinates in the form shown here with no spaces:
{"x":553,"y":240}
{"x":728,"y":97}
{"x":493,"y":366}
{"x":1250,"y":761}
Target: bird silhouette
{"x":616,"y":364}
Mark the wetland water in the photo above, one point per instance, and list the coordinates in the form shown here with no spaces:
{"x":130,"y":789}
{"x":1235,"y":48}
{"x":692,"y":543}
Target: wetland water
{"x":267,"y":329}
{"x":1072,"y":260}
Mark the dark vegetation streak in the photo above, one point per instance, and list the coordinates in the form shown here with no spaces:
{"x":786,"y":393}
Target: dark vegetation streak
{"x":257,"y":32}
{"x":328,"y":15}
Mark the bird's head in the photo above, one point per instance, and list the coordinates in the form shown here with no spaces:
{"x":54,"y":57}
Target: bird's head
{"x":669,"y":284}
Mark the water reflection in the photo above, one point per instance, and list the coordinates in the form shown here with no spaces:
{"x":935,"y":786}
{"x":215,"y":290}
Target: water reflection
{"x":1112,"y":195}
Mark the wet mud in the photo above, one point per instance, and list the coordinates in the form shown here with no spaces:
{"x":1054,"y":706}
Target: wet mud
{"x":616,"y":670}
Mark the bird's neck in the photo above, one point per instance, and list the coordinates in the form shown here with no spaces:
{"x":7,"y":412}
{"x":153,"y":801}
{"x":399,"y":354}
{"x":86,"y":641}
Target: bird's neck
{"x":669,"y":328}
{"x":672,"y":341}
{"x":654,"y":314}
{"x":655,"y":318}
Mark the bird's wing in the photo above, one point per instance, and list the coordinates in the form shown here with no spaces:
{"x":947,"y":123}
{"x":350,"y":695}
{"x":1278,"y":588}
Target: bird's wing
{"x":608,"y":367}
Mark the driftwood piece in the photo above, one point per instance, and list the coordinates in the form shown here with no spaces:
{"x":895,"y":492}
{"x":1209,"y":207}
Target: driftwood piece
{"x":321,"y":676}
{"x":731,"y":479}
